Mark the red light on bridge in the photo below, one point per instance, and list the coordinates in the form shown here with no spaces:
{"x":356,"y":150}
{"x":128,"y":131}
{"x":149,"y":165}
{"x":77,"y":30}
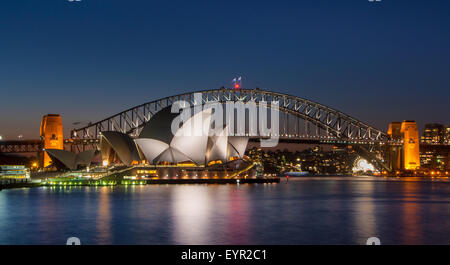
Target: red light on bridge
{"x":237,"y":86}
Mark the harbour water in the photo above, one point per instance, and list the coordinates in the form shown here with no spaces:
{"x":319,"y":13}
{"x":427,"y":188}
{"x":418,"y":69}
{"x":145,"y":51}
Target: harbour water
{"x":307,"y":210}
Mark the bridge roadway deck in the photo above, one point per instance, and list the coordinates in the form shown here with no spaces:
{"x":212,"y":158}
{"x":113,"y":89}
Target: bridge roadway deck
{"x":36,"y":146}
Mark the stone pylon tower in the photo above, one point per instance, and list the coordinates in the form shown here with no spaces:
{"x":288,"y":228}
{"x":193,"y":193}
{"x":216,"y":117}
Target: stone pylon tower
{"x":411,"y":155}
{"x":406,"y":156}
{"x":52,"y":134}
{"x":395,"y":152}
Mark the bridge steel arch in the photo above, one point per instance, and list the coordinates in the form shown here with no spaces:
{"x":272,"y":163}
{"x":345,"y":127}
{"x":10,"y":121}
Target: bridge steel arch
{"x":334,"y":122}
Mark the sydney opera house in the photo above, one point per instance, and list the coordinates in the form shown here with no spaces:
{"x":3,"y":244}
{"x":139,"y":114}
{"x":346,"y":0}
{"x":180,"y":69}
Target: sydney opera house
{"x":191,"y":146}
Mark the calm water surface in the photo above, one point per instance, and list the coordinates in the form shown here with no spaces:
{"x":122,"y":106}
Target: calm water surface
{"x":329,"y":210}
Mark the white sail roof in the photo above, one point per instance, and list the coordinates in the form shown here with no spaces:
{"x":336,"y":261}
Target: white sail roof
{"x":122,"y":144}
{"x":69,"y":159}
{"x":191,"y":142}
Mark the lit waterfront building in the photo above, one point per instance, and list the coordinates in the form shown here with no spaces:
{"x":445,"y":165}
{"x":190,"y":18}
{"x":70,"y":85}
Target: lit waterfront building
{"x":191,"y":147}
{"x":14,"y":172}
{"x":62,"y":159}
{"x":117,"y":147}
{"x":189,"y":144}
{"x":157,"y":145}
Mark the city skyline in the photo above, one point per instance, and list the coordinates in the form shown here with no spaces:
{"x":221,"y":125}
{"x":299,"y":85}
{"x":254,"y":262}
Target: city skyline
{"x":87,"y":54}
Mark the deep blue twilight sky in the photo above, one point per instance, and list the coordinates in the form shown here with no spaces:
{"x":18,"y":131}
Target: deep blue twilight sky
{"x":86,"y":60}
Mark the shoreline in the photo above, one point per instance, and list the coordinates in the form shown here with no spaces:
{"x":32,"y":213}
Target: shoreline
{"x":142,"y":182}
{"x":218,"y":181}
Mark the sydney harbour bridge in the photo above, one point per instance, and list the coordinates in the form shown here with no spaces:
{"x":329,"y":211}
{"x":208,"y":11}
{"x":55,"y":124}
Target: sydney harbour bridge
{"x":301,"y":121}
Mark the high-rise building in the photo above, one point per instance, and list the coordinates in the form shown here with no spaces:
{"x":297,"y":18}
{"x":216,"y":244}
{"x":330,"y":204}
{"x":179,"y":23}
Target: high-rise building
{"x":411,"y":155}
{"x":435,"y":156}
{"x":434,"y":133}
{"x":447,"y":135}
{"x":52,"y":134}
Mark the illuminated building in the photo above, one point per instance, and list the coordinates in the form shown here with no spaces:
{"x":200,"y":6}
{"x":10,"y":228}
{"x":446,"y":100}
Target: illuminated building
{"x":435,"y":157}
{"x":116,"y":146}
{"x":190,"y":146}
{"x":447,"y":135}
{"x":51,"y":133}
{"x":427,"y":159}
{"x":190,"y":143}
{"x":14,"y":172}
{"x":68,"y":160}
{"x":313,"y":160}
{"x":434,"y":133}
{"x":404,"y":156}
{"x":411,"y":155}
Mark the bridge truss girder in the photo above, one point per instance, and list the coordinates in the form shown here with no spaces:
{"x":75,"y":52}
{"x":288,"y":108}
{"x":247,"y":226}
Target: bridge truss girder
{"x":22,"y":146}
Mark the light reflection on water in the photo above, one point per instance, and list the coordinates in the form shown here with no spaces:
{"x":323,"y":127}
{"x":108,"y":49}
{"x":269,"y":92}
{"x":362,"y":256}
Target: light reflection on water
{"x":328,"y":210}
{"x":191,"y":209}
